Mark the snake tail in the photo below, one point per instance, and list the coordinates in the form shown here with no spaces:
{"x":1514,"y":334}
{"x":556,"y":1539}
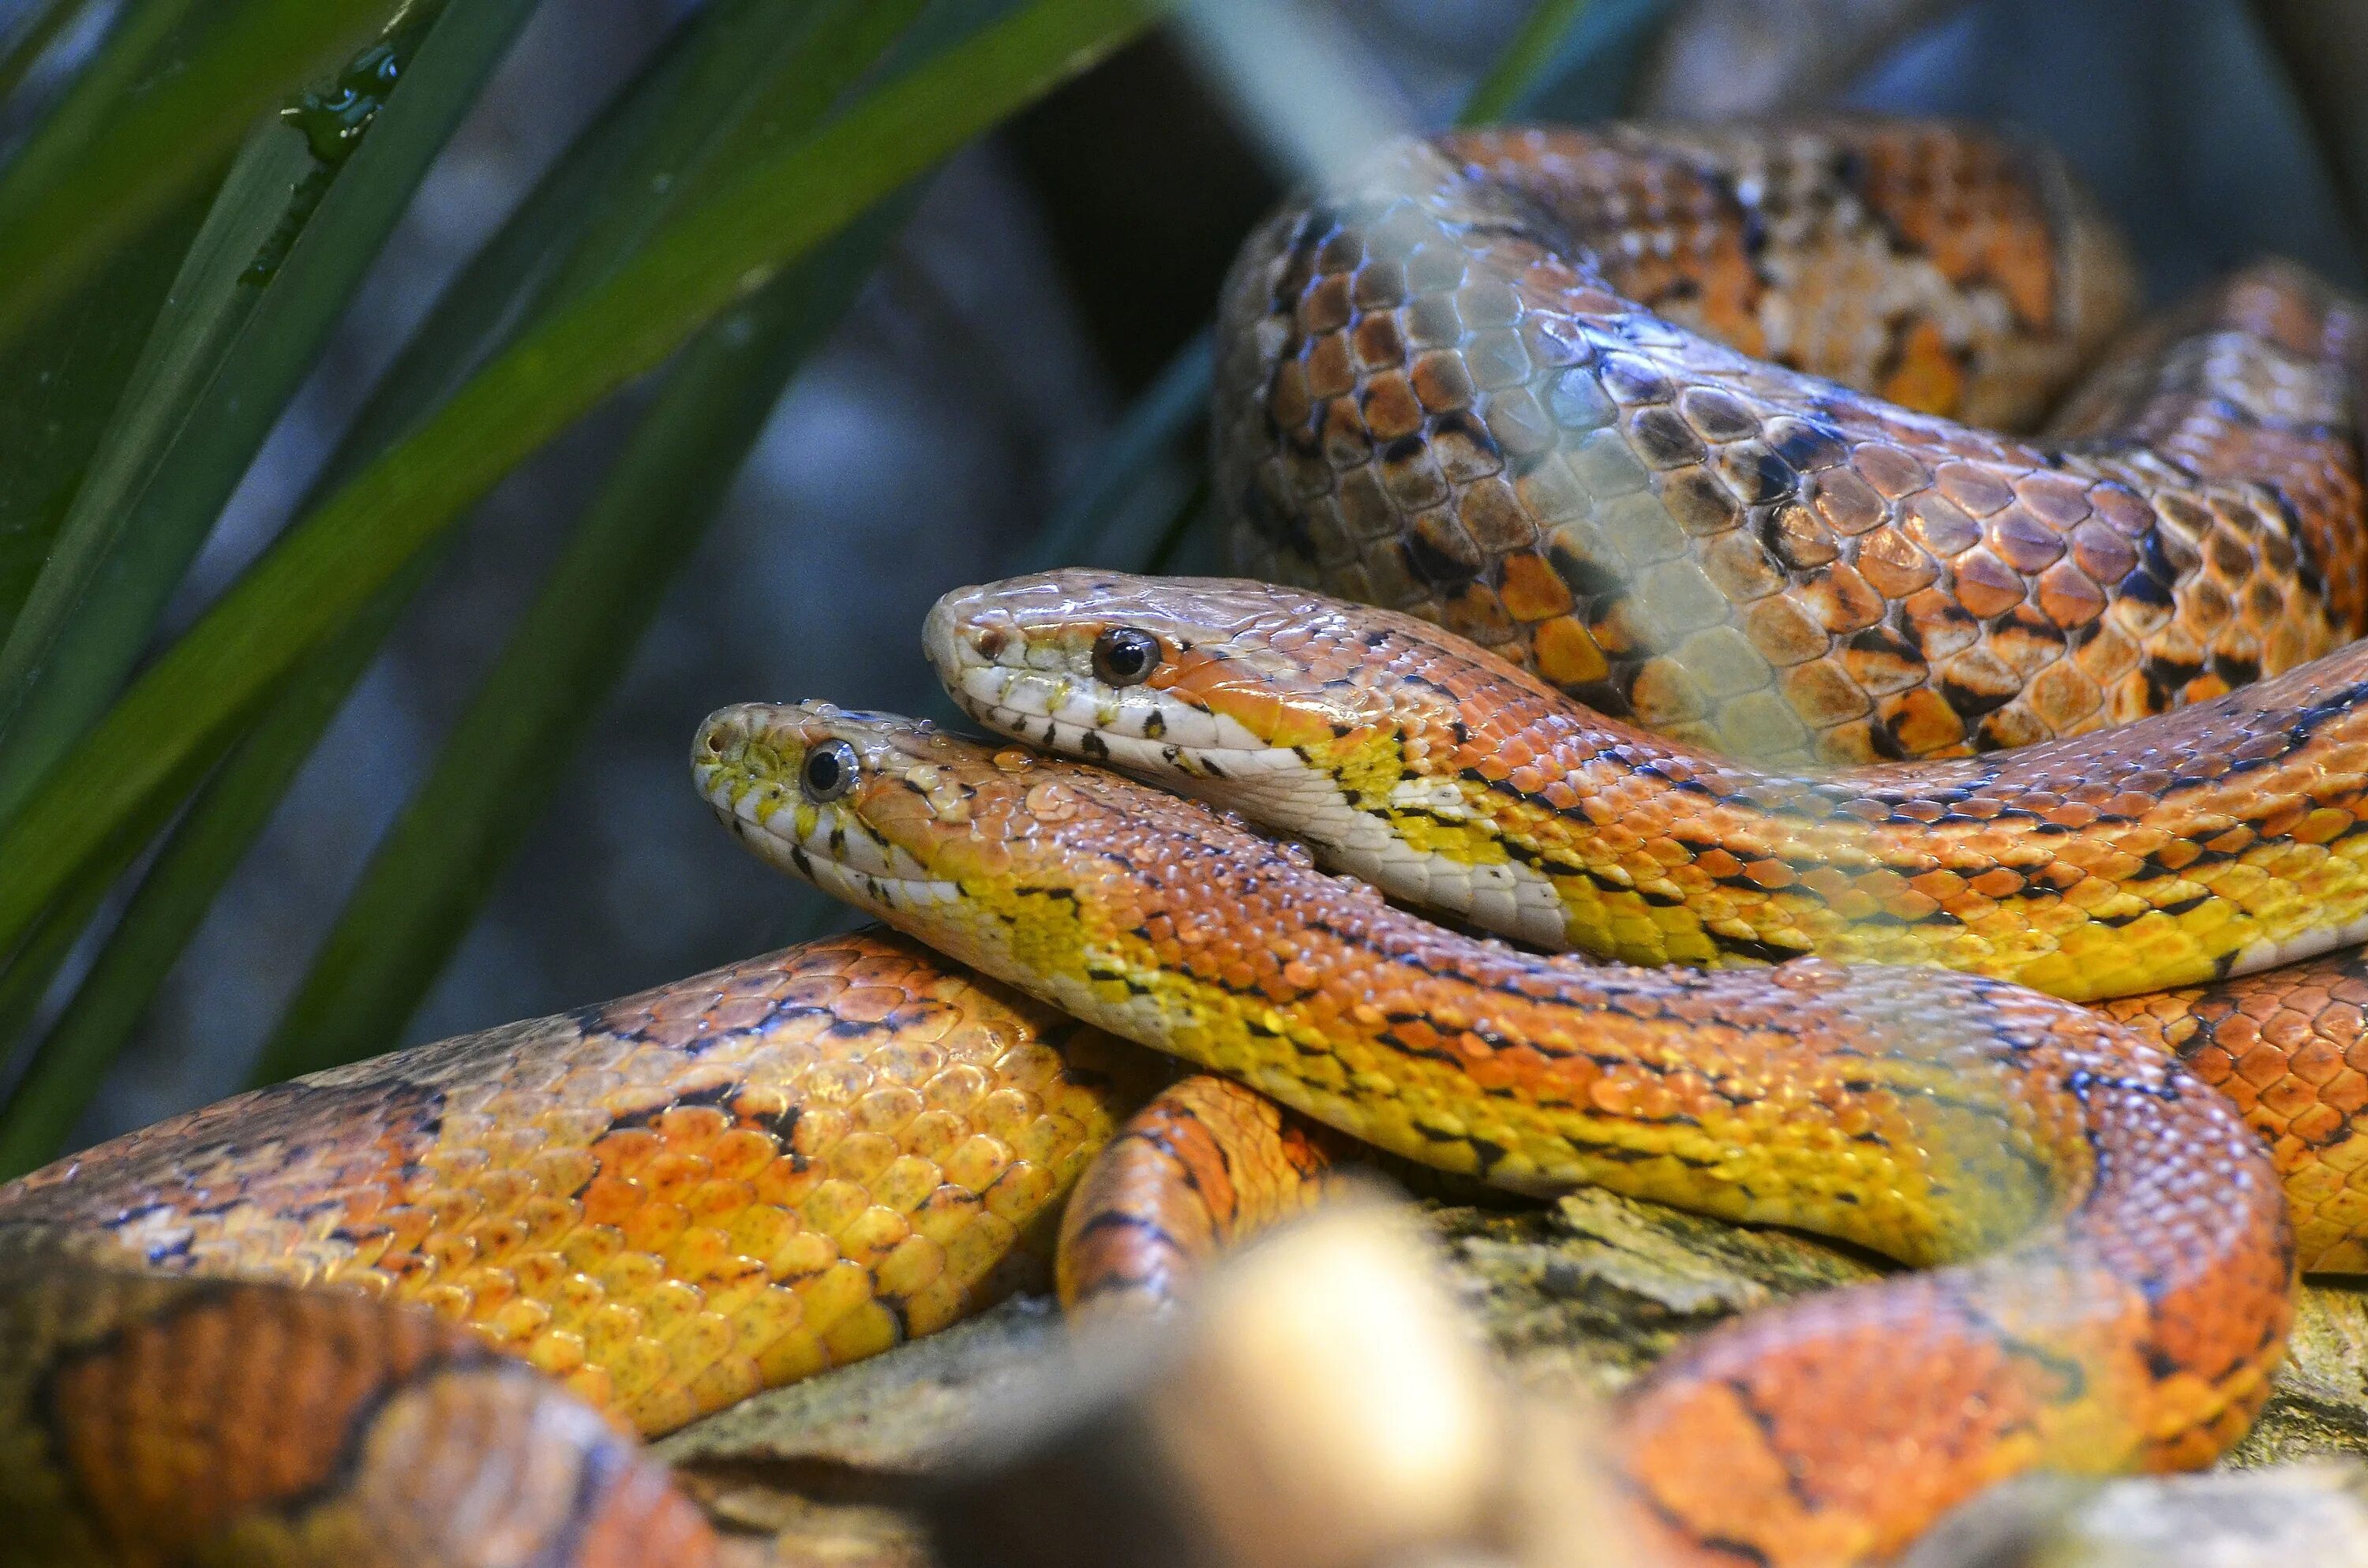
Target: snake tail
{"x":2110,"y":1265}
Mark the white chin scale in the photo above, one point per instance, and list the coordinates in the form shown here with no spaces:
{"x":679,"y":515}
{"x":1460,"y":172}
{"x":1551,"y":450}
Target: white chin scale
{"x":840,"y":857}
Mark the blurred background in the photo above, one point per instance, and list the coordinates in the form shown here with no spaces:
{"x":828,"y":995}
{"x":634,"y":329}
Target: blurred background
{"x":1015,"y":384}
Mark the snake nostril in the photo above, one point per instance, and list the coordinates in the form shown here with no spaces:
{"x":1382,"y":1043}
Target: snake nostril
{"x":991,"y":641}
{"x":716,"y":742}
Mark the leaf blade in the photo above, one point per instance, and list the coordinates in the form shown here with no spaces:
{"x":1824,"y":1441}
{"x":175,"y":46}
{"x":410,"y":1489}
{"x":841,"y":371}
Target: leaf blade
{"x":231,"y":355}
{"x":62,"y":208}
{"x":176,"y":719}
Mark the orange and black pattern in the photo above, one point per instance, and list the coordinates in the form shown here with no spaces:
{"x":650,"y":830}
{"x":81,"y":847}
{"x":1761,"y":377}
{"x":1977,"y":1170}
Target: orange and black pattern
{"x":2115,"y":1263}
{"x":1207,"y":1164}
{"x":412,"y":1311}
{"x":1508,"y":383}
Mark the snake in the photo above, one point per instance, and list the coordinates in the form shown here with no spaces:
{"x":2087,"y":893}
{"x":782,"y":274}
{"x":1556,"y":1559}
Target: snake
{"x":1572,"y":395}
{"x":2106,"y":1253}
{"x":415,"y":1311}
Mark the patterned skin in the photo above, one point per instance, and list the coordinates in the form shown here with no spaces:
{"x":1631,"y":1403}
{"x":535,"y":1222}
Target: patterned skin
{"x":1451,"y":779}
{"x":2117,"y":1266}
{"x":2218,"y":839}
{"x":649,"y":1208}
{"x":1208,"y":1162}
{"x":670,"y":1201}
{"x":1485,"y":385}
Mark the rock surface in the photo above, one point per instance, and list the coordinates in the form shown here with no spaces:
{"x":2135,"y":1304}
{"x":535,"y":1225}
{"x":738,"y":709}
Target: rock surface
{"x":1581,"y":1295}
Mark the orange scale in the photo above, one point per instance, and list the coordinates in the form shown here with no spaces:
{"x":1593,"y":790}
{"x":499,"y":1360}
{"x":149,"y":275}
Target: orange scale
{"x":448,"y":1253}
{"x":834,"y":1205}
{"x":654,"y":1226}
{"x":887,"y":1110}
{"x":819,"y":1127}
{"x":736,"y":1014}
{"x":975,"y":1250}
{"x":906,"y":1183}
{"x":669,"y":1305}
{"x":513,"y":1321}
{"x":764,"y":1317}
{"x":562,"y":1171}
{"x":760,"y":1229}
{"x":573,"y":1299}
{"x":688,"y":1129}
{"x":860,"y":1157}
{"x":698,"y":1252}
{"x":629,"y":1275}
{"x":612,"y":1200}
{"x":815,"y":991}
{"x":1008,"y":1111}
{"x":933,"y":1133}
{"x":740,"y":1153}
{"x":868,"y":1004}
{"x":974,"y":1047}
{"x":786,"y":1183}
{"x":734,"y":1283}
{"x":715,"y":1202}
{"x":589,"y":1248}
{"x":833,"y":1083}
{"x":624,"y":1152}
{"x":557,"y":1353}
{"x":946,"y":1212}
{"x":726,"y":1380}
{"x":872,"y":1234}
{"x":800,"y":1255}
{"x":1021,"y":1192}
{"x":765,"y":1103}
{"x":832,"y":1294}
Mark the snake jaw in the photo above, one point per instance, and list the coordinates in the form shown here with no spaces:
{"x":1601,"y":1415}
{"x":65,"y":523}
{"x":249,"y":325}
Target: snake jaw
{"x":747,"y":760}
{"x":1021,"y":656}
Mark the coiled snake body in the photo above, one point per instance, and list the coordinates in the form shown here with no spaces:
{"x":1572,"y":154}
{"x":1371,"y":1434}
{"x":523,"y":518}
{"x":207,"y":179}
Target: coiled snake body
{"x":1474,"y":387}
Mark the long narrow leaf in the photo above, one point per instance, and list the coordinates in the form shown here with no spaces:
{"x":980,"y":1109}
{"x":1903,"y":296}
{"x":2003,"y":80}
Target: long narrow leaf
{"x":228,"y":812}
{"x":220,"y":826}
{"x":138,"y":45}
{"x":61,"y":212}
{"x":60,"y":386}
{"x":176,"y":720}
{"x":503,"y":762}
{"x":201,"y":314}
{"x":234,"y":355}
{"x":500,"y":765}
{"x":24,"y":49}
{"x":1517,"y":72}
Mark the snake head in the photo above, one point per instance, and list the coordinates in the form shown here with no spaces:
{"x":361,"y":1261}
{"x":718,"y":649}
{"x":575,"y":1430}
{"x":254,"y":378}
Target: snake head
{"x":922,"y":828}
{"x":1173,"y":678}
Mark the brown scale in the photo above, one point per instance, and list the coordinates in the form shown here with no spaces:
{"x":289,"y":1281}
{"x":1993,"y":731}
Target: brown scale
{"x":1478,"y":387}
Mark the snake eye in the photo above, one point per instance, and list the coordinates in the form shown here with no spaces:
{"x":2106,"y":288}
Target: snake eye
{"x":1125,"y":657}
{"x":829,"y":771}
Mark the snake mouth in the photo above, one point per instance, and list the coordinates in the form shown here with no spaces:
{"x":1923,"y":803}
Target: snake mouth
{"x":754,"y":765}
